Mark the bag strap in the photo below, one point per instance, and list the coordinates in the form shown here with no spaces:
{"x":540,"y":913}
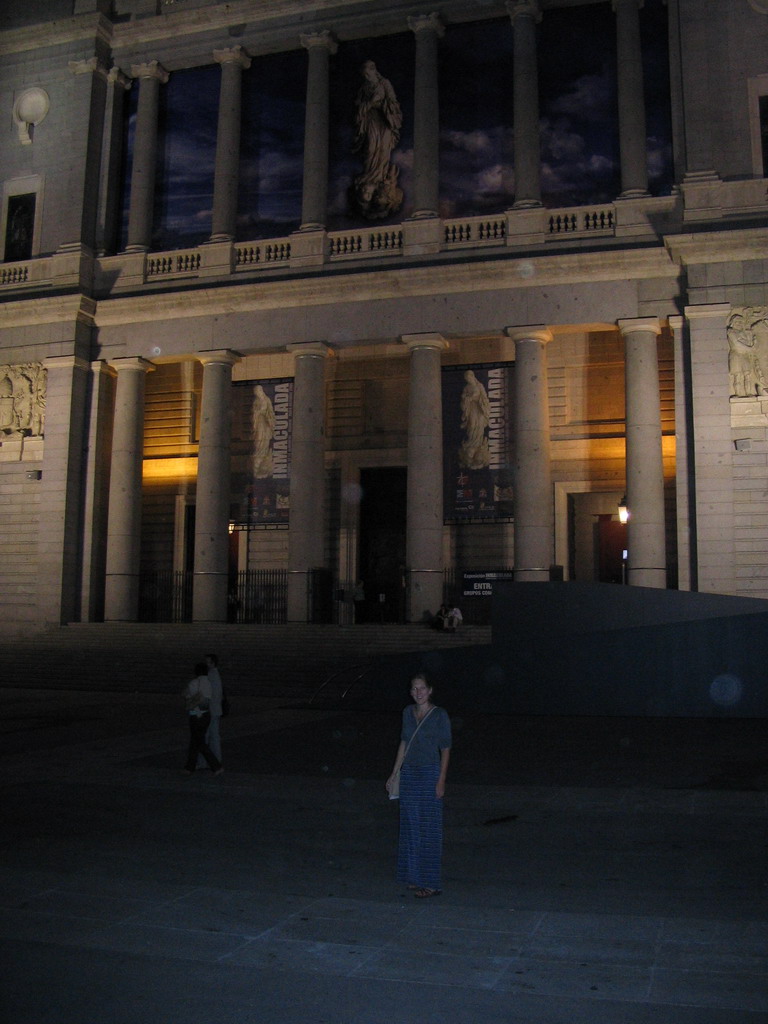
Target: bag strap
{"x":410,"y":741}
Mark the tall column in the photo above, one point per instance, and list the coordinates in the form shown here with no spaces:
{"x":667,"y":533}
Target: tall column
{"x":121,"y":598}
{"x":632,"y":135}
{"x":60,"y":524}
{"x":314,"y":201}
{"x":227,"y":169}
{"x":646,"y":559}
{"x":109,"y":211}
{"x":533,"y":495}
{"x":306,"y":542}
{"x":685,"y":468}
{"x":100,"y":416}
{"x":426,"y":120}
{"x":150,"y":76}
{"x":424,"y":507}
{"x":211,"y":572}
{"x":525,"y":15}
{"x":716,"y":496}
{"x":90,"y":91}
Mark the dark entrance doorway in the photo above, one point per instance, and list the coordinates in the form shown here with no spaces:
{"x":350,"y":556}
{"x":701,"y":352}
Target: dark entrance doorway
{"x":611,"y":545}
{"x":382,"y":544}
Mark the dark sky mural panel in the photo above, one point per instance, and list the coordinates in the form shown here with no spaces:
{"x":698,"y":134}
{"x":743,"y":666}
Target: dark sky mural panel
{"x":578,"y":117}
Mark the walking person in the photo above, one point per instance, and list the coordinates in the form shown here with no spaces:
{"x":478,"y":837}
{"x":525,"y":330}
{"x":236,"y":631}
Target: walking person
{"x":420,"y":770}
{"x":213,"y":734}
{"x":197,"y":700}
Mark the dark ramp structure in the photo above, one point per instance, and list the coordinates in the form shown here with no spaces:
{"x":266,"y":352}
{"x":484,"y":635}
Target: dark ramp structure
{"x":601,"y":649}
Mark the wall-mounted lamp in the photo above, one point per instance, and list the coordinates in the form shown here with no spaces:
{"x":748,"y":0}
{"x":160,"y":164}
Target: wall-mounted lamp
{"x":34,"y":474}
{"x":623,"y":510}
{"x":29,"y":110}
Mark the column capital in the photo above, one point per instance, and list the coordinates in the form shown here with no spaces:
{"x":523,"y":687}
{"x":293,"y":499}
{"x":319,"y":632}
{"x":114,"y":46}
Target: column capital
{"x":644,"y":324}
{"x":66,"y":363}
{"x":426,"y":22}
{"x":414,"y":341}
{"x":324,"y":40}
{"x":522,"y":8}
{"x":151,"y":69}
{"x":87,"y":67}
{"x":233,"y":55}
{"x":117,"y":77}
{"x":536,"y":332}
{"x":220,"y":355}
{"x":708,"y":311}
{"x":131,"y":363}
{"x":318,"y":349}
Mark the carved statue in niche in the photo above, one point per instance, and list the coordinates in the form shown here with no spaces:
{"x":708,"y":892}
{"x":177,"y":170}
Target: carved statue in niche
{"x":375,"y":192}
{"x":22,"y":400}
{"x":747,"y":331}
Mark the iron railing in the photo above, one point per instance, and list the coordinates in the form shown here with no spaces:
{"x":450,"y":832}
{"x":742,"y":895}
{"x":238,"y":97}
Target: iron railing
{"x":255,"y":595}
{"x":260,"y":596}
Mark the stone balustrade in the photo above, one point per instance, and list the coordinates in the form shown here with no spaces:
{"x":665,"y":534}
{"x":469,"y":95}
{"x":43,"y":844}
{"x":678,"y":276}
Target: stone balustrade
{"x":263,"y":253}
{"x":626,"y":220}
{"x":25,"y":274}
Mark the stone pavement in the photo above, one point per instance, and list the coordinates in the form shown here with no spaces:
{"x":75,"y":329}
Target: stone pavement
{"x":610,"y":872}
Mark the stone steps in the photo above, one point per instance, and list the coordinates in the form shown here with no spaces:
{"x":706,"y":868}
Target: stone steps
{"x":287,"y":664}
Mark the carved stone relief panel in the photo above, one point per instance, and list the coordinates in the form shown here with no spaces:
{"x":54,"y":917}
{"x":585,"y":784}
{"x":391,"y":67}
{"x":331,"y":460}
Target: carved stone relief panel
{"x":747,"y":331}
{"x":22,"y":400}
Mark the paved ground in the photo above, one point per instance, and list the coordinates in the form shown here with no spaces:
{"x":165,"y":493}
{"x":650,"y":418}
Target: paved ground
{"x":601,"y":871}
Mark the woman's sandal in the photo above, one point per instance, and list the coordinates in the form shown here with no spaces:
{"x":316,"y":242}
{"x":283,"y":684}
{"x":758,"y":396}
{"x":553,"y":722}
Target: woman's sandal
{"x":423,"y":894}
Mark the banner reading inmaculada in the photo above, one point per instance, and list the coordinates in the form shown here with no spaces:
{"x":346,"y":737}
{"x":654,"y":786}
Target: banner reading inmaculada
{"x":477,"y":475}
{"x":261,"y":451}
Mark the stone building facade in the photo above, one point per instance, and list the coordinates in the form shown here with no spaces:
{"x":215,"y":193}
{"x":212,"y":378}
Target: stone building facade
{"x":138,"y":428}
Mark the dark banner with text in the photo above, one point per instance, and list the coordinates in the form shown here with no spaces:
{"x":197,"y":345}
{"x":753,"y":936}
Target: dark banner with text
{"x":477,"y":472}
{"x":262,"y":417}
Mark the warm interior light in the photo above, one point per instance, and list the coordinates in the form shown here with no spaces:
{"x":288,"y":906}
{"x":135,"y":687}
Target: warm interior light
{"x":623,"y":510}
{"x":170,"y":469}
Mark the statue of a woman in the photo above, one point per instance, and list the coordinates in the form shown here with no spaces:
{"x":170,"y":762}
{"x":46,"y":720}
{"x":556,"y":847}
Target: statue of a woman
{"x":263,"y":421}
{"x":375,"y":192}
{"x":474,"y":452}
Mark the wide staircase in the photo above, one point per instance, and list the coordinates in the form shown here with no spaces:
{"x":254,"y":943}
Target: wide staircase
{"x":288,"y":664}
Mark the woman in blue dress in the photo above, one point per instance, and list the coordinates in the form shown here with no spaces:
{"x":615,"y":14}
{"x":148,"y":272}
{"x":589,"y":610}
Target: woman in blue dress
{"x":422,"y":761}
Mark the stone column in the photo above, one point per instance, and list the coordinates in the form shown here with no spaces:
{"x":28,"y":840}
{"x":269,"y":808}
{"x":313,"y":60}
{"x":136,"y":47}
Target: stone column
{"x":227,"y":169}
{"x":150,"y":76}
{"x":525,"y":15}
{"x":210,"y":581}
{"x":424,"y":510}
{"x":121,"y":598}
{"x":100,"y":416}
{"x":314,"y":202}
{"x":632,"y":134}
{"x":109,"y":213}
{"x":60,"y":524}
{"x":646,"y":560}
{"x":426,"y":120}
{"x":717,"y":494}
{"x":90,"y":91}
{"x":533,"y":495}
{"x":306,"y":540}
{"x":685,"y":485}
